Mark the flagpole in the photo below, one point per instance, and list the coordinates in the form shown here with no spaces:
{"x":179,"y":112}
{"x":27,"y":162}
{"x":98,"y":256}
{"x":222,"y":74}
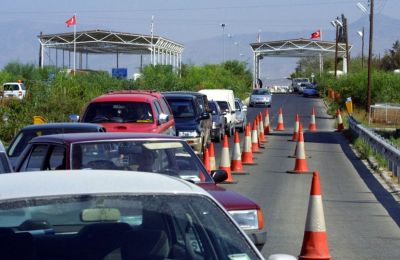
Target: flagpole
{"x":75,"y":44}
{"x":321,"y":61}
{"x":152,"y":46}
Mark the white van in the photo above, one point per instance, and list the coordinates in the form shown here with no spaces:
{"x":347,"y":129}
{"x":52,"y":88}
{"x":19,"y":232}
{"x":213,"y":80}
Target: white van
{"x":14,"y":90}
{"x":226,"y":101}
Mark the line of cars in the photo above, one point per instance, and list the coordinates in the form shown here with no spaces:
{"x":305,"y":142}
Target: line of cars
{"x":304,"y":87}
{"x":156,"y":151}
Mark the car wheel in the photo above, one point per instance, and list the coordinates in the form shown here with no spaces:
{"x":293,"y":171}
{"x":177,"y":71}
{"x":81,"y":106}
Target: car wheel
{"x":218,"y":137}
{"x":241,"y":129}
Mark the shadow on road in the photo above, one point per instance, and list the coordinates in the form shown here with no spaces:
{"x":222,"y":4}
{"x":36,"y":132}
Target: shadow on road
{"x":381,"y":194}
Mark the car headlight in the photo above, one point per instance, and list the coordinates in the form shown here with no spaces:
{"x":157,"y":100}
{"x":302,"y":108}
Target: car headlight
{"x":214,"y":125}
{"x":248,"y":219}
{"x":193,"y":133}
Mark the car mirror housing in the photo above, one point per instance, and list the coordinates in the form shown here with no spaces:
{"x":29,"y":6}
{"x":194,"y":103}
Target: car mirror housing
{"x":74,"y":118}
{"x":219,"y":175}
{"x":244,"y":108}
{"x":163,"y":118}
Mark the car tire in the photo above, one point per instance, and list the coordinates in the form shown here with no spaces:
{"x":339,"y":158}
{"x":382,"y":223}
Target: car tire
{"x":218,"y":137}
{"x":243,"y":127}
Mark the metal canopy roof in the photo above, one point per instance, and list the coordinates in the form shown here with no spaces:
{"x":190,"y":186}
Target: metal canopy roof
{"x":298,"y":48}
{"x":105,"y":42}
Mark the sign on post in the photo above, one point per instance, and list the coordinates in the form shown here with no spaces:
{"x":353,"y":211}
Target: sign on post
{"x":121,"y":73}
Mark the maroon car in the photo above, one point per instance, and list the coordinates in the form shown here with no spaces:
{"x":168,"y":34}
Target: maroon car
{"x":140,"y":152}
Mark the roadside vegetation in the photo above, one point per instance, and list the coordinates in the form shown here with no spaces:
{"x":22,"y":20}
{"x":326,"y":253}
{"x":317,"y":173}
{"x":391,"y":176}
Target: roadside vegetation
{"x":54,"y":94}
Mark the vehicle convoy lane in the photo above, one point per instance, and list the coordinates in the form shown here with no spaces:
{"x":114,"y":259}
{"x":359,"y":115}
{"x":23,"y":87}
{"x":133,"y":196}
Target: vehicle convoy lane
{"x":362,"y":218}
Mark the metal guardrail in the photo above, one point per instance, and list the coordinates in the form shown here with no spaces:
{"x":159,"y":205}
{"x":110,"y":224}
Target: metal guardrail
{"x":379,"y":144}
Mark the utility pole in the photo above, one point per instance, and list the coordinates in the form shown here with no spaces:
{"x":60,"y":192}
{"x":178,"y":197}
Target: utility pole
{"x":336,"y":48}
{"x":371,"y":32}
{"x":223,"y":42}
{"x":345,"y":28}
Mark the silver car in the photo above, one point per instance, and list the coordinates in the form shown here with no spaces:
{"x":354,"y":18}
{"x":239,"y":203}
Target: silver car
{"x":260,"y":96}
{"x":105,"y":214}
{"x":241,"y":115}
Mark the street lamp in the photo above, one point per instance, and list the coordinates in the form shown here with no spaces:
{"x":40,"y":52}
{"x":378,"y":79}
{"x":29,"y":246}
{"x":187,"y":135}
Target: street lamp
{"x":223,"y":43}
{"x":336,"y":23}
{"x":361,"y":34}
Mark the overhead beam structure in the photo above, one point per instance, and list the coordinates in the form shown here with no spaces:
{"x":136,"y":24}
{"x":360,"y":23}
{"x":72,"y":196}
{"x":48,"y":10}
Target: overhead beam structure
{"x":161,"y":50}
{"x":296,"y":48}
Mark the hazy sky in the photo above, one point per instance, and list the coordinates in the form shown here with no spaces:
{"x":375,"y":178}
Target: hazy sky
{"x":184,"y":20}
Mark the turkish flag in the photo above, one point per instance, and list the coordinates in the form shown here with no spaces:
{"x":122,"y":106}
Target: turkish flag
{"x":316,"y":34}
{"x":71,"y":21}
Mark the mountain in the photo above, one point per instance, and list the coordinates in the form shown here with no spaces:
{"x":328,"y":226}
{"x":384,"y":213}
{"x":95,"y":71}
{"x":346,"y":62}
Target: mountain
{"x":20,"y":43}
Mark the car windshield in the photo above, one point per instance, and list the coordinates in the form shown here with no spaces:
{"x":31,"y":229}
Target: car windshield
{"x":166,"y":157}
{"x":260,"y":92}
{"x":121,"y":226}
{"x":223,"y":105}
{"x":182,"y":108}
{"x":213,"y":107}
{"x":118,"y":112}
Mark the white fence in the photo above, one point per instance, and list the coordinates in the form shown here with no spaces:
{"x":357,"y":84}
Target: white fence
{"x":379,"y":144}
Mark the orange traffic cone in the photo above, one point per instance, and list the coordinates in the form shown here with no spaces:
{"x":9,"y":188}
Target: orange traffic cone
{"x":247,"y":154}
{"x":301,"y":163}
{"x":340,"y":126}
{"x":312,"y":126}
{"x":315,"y":241}
{"x":261,"y":129}
{"x":254,"y":139}
{"x":206,"y":160}
{"x":260,"y":144}
{"x":236,"y":162}
{"x":267,"y":128}
{"x":280,"y":126}
{"x":213,"y":164}
{"x":295,"y":137}
{"x":225,"y":163}
{"x":295,"y":149}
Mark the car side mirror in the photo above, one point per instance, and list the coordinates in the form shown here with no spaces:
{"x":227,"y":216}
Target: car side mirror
{"x":244,"y":108}
{"x":224,"y":112}
{"x":74,"y":118}
{"x":163,"y":118}
{"x":219,"y":175}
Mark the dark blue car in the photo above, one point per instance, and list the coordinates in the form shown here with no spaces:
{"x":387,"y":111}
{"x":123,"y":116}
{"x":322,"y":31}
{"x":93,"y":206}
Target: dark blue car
{"x":192,"y":118}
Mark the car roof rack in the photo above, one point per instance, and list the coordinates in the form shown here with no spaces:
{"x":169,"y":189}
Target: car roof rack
{"x":133,"y":91}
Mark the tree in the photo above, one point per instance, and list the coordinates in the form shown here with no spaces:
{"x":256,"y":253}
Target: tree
{"x":391,"y":59}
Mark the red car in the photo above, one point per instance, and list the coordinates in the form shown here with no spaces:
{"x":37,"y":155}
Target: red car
{"x":145,"y":153}
{"x":131,"y":111}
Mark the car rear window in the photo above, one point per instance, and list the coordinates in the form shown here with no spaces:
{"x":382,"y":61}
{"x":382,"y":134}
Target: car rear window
{"x":260,"y":92}
{"x":118,"y":112}
{"x":182,"y":108}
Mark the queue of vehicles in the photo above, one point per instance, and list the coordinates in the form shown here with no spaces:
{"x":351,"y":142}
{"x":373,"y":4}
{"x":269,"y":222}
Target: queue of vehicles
{"x":163,"y":143}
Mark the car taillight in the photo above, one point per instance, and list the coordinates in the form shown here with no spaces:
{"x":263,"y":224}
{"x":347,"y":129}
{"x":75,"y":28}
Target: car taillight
{"x":19,"y":93}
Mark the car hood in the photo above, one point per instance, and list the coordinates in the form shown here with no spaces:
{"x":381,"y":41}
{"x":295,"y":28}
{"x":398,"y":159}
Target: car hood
{"x":130,"y":127}
{"x":229,"y":199}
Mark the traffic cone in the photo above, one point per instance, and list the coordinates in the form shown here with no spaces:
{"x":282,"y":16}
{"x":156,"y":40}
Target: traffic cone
{"x":267,"y":128}
{"x":280,"y":126}
{"x":295,"y":150}
{"x":315,"y":241}
{"x":340,"y":126}
{"x":236,"y":162}
{"x":225,"y":163}
{"x":213,"y":164}
{"x":295,"y":137}
{"x":247,"y":154}
{"x":254,"y":139}
{"x":261,"y":128}
{"x":312,"y":126}
{"x":301,"y":163}
{"x":206,"y":160}
{"x":260,"y":144}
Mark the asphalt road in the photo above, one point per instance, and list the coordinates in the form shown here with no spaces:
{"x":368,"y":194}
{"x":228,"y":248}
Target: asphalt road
{"x":362,"y":218}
